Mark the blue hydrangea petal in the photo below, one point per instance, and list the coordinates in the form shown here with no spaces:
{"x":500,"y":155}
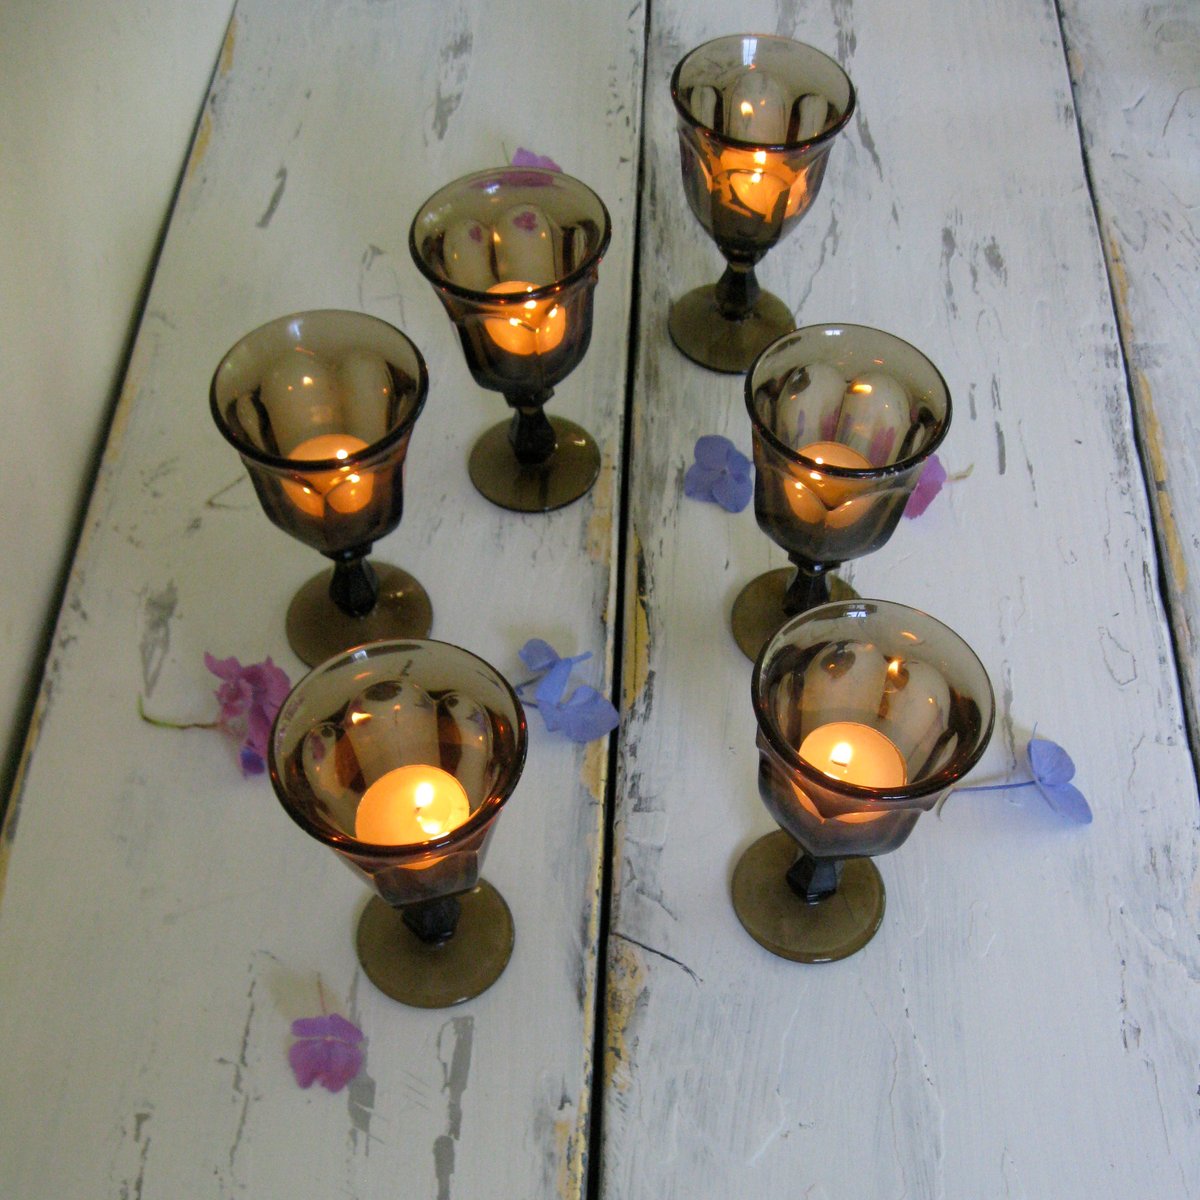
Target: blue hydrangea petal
{"x":587,"y":715}
{"x":1068,"y":801}
{"x":1049,"y":762}
{"x":732,"y":493}
{"x":538,"y":655}
{"x":712,"y":451}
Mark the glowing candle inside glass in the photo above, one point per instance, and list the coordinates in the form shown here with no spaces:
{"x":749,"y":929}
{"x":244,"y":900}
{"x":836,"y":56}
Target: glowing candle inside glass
{"x":344,"y":490}
{"x":534,"y":327}
{"x":409,"y":805}
{"x":815,"y":495}
{"x":855,"y":754}
{"x":756,"y":184}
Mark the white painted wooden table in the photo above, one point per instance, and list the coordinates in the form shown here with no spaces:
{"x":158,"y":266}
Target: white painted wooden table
{"x":1024,"y":1024}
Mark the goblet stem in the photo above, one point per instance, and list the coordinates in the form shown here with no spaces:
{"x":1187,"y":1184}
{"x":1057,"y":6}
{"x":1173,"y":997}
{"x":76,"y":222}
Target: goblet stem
{"x":354,"y":587}
{"x":433,"y":921}
{"x":809,"y":588}
{"x":814,"y":879}
{"x":531,"y":435}
{"x":737,"y":291}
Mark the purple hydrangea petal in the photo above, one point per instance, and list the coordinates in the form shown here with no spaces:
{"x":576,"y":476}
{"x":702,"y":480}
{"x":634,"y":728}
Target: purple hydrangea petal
{"x":332,"y":1025}
{"x":251,"y":760}
{"x":327,"y":1051}
{"x":527,"y":158}
{"x":928,"y":486}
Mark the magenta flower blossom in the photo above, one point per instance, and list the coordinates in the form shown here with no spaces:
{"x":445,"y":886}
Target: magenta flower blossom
{"x":327,"y":1050}
{"x":923,"y":495}
{"x":249,"y":698}
{"x":527,"y":158}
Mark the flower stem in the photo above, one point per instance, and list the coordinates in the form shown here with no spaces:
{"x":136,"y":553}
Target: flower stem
{"x":161,"y":724}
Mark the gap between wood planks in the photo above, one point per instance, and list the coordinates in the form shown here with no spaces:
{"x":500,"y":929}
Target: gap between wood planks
{"x":595,"y":1164}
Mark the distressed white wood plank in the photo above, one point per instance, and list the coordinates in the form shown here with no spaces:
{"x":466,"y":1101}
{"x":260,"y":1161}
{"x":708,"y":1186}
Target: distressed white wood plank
{"x":1137,"y":91}
{"x":1024,"y":1022}
{"x":162,"y":920}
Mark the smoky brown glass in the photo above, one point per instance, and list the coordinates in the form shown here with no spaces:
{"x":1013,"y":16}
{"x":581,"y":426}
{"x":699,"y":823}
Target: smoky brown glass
{"x":435,"y":933}
{"x":843,"y":420}
{"x":884,"y":677}
{"x":321,"y":407}
{"x":757,"y":117}
{"x":514,"y":254}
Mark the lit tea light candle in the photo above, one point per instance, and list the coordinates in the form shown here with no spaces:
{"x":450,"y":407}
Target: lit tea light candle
{"x":534,"y":327}
{"x":410,"y":805}
{"x":752,"y":184}
{"x":345,"y":490}
{"x":834,"y":454}
{"x":816,"y":497}
{"x":856,"y":754}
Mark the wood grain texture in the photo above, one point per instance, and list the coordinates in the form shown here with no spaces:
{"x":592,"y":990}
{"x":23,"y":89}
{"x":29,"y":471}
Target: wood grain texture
{"x":1137,"y":91}
{"x":1023,"y":1024}
{"x":162,"y":920}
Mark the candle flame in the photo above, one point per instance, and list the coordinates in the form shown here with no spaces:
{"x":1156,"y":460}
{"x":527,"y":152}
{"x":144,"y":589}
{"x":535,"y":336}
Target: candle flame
{"x":747,"y":108}
{"x":863,"y":389}
{"x":423,"y":795}
{"x":357,"y":718}
{"x":841,"y":754}
{"x":306,"y":380}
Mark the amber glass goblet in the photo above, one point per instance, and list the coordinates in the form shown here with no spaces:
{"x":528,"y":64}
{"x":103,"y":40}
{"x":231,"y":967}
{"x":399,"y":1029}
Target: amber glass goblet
{"x":320,"y":406}
{"x":399,"y":756}
{"x":513,"y":255}
{"x":843,"y":418}
{"x":757,"y":119}
{"x":868,"y":712}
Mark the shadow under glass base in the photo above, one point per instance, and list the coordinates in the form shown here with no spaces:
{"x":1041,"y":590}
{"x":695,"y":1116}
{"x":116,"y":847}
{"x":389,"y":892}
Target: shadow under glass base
{"x":414,"y":972}
{"x":779,"y":920}
{"x":565,"y":476}
{"x":714,"y":341}
{"x":758,"y":609}
{"x":317,"y":629}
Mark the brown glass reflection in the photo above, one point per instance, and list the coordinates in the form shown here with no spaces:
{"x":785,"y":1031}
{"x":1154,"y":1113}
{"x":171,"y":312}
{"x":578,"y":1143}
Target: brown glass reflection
{"x":757,"y":117}
{"x":843,"y":419}
{"x":868,"y":712}
{"x":355,"y":721}
{"x":321,"y":406}
{"x":513,"y":254}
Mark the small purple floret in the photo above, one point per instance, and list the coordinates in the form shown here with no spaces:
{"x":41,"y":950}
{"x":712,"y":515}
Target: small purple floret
{"x":928,"y":486}
{"x":327,"y":1050}
{"x":720,"y":474}
{"x":249,"y":698}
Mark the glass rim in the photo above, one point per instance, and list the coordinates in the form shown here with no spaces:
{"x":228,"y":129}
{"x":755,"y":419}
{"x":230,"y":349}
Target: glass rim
{"x":893,"y":798}
{"x":792,"y":455}
{"x":475,"y":822}
{"x":305,"y":465}
{"x":737,"y":143}
{"x":544,"y":291}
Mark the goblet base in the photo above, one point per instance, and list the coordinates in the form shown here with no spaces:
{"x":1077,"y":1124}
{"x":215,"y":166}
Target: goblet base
{"x":758,"y":610}
{"x":566,"y":475}
{"x":317,"y":629}
{"x":424,"y":975}
{"x":699,"y":329}
{"x":782,"y":922}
